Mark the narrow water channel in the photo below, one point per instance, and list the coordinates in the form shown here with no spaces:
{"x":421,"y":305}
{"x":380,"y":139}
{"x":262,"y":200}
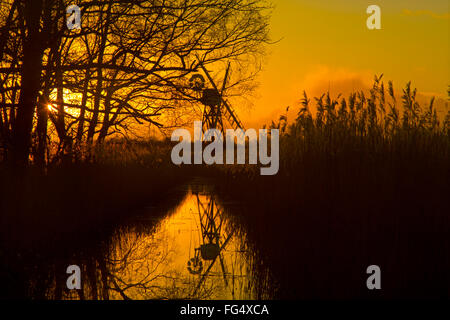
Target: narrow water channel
{"x":194,"y":252}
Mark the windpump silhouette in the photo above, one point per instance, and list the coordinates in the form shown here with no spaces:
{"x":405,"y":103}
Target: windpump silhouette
{"x":216,"y":107}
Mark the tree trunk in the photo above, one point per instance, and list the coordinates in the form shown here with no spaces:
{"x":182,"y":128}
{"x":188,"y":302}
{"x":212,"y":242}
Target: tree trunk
{"x":80,"y":129}
{"x":99,"y":86}
{"x":105,"y":126}
{"x":41,"y":129}
{"x":31,"y":74}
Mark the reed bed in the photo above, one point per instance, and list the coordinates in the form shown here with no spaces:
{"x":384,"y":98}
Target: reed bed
{"x":363,"y":180}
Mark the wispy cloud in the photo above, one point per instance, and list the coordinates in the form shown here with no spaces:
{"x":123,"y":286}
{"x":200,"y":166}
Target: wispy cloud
{"x":429,"y":13}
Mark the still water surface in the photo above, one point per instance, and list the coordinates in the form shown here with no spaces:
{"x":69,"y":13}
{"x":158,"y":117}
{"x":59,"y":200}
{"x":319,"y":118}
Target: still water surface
{"x":193,"y":252}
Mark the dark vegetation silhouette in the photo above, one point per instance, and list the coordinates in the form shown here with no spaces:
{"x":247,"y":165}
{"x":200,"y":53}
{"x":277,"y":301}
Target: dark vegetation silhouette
{"x":362,"y":181}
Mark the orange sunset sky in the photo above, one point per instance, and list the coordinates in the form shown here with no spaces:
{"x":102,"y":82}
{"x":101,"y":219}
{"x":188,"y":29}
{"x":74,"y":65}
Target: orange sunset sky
{"x":325,"y":44}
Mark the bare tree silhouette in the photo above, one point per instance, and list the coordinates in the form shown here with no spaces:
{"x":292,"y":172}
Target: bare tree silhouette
{"x":128,"y":65}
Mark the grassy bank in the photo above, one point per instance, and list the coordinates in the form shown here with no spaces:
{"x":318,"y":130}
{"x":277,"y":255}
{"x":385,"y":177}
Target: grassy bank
{"x":68,"y":197}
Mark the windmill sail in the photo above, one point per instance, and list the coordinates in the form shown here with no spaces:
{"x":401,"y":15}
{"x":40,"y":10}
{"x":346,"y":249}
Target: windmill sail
{"x":231,"y":116}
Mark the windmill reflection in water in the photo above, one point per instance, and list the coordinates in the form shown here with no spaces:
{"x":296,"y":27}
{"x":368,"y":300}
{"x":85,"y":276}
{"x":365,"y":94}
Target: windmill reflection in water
{"x":214,"y":241}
